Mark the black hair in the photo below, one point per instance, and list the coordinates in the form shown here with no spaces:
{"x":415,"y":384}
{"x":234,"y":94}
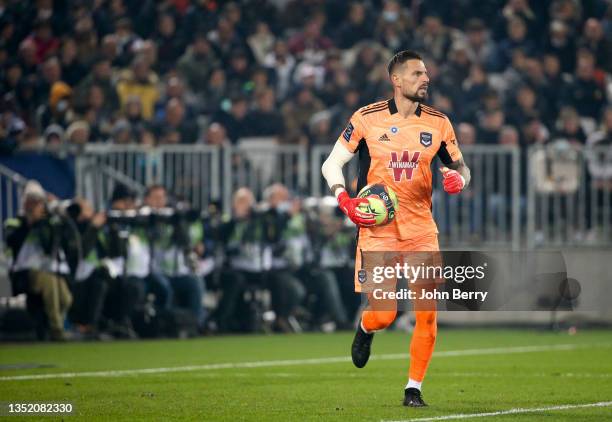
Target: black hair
{"x":401,"y":58}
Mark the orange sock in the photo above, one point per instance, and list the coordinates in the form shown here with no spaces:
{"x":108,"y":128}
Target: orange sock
{"x":422,"y":344}
{"x":377,"y":320}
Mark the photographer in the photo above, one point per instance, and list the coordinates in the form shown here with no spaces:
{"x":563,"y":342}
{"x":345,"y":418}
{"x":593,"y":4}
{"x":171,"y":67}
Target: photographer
{"x":176,"y":237}
{"x":245,"y":263}
{"x":297,"y":254}
{"x":125,"y":294}
{"x":90,"y":278}
{"x":35,"y":240}
{"x":287,"y":290}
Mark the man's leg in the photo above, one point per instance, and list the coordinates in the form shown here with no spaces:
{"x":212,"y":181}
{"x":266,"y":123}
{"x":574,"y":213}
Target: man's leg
{"x":189,"y":291}
{"x":380,"y":313}
{"x":56,"y":302}
{"x":425,"y":329}
{"x":160,"y":286}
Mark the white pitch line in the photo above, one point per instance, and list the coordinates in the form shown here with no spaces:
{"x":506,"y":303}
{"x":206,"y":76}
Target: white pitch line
{"x":507,"y":412}
{"x":296,"y":362}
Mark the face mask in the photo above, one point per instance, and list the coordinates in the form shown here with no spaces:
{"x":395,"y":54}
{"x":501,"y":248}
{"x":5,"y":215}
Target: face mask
{"x":284,"y":207}
{"x":390,"y":16}
{"x":62,"y":106}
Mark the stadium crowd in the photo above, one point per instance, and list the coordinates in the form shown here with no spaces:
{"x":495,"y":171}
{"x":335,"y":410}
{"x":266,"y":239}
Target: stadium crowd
{"x":150,"y":266}
{"x":205,"y":71}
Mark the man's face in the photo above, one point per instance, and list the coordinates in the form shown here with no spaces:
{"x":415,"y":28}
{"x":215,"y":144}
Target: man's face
{"x":156,"y":199}
{"x":124,"y":204}
{"x":412,"y":80}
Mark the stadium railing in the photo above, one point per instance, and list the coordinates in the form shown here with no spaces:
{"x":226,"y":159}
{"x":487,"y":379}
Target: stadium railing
{"x":12,"y":185}
{"x":487,"y":214}
{"x":569,"y":196}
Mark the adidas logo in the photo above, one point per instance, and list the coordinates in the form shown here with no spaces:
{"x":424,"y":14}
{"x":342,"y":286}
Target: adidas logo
{"x":384,"y":138}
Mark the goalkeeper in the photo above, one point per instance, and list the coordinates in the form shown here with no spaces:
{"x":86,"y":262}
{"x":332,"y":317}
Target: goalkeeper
{"x":396,"y":141}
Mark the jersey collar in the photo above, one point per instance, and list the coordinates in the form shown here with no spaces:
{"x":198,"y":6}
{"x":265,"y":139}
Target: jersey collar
{"x":393,"y":107}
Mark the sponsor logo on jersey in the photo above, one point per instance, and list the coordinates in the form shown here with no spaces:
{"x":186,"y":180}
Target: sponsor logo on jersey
{"x":404,"y":164}
{"x":384,"y":138}
{"x":348,"y":132}
{"x":426,"y":139}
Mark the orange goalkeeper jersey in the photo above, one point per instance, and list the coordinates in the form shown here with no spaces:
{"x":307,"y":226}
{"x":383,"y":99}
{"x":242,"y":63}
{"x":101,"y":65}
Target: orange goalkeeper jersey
{"x":398,"y":152}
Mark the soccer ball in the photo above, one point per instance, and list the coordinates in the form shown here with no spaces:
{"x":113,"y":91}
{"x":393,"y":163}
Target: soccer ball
{"x":382,"y":202}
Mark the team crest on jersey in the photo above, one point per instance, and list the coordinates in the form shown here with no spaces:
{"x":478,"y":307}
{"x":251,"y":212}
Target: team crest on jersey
{"x":362,"y":276}
{"x":426,"y":139}
{"x":394,"y":129}
{"x":348,"y":132}
{"x":404,"y":164}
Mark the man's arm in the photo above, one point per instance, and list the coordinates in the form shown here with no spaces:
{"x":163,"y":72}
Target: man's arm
{"x":332,"y":172}
{"x":462,"y":169}
{"x":332,"y":168}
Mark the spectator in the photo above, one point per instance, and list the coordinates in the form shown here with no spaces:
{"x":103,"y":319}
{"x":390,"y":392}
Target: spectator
{"x":59,"y":108}
{"x":355,"y":29}
{"x":176,"y":127}
{"x":594,"y":39}
{"x":216,"y":135}
{"x":44,"y":42}
{"x":98,"y":114}
{"x":516,"y":39}
{"x":310,"y":44}
{"x":225,"y":39}
{"x":508,"y":135}
{"x":216,"y":91}
{"x":264,"y":119}
{"x":568,"y":127}
{"x":78,"y":133}
{"x":283,"y":64}
{"x":72,"y":70}
{"x":100,"y":75}
{"x":170,"y":45}
{"x":585,"y":93}
{"x":479,"y":46}
{"x":393,"y":27}
{"x":599,"y":142}
{"x":433,"y":37}
{"x":297,"y":112}
{"x":466,"y":133}
{"x":561,"y":44}
{"x":234,"y":122}
{"x":197,"y":63}
{"x":139,"y":81}
{"x":262,"y":42}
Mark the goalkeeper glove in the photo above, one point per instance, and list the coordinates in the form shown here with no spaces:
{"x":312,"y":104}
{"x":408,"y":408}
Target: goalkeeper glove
{"x":350,"y":206}
{"x":453,"y":182}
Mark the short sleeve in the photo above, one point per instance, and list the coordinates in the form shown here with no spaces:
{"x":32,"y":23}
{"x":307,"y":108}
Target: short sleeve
{"x":353,"y":133}
{"x":449,"y":151}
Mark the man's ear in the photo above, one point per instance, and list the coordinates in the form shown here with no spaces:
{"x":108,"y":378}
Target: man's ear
{"x":395,"y":79}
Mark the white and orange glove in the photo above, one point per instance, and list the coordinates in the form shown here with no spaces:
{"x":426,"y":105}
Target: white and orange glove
{"x":350,"y":206}
{"x":453,"y":182}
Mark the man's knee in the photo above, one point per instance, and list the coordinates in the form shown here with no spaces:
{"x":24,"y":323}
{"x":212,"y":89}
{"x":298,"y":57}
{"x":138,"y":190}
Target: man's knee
{"x":378,"y":320}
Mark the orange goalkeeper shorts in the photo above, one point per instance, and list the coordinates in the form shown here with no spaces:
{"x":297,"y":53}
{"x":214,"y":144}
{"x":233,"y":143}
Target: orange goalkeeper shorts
{"x":389,"y":245}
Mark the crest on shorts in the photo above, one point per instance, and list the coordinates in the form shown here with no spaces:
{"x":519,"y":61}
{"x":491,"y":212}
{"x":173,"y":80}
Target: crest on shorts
{"x":362,"y":276}
{"x":426,"y":139}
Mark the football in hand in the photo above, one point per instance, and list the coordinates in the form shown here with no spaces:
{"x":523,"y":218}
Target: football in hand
{"x":382,"y":202}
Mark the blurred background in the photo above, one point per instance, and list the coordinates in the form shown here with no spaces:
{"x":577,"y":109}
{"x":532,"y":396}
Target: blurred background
{"x":160,"y":160}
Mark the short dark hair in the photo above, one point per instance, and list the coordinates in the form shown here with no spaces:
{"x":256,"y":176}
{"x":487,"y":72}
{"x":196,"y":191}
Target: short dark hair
{"x":154,"y":187}
{"x":401,"y":58}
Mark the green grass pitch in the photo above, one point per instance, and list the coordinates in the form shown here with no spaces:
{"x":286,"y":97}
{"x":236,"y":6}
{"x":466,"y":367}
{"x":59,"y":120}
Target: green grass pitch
{"x":293,"y":378}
